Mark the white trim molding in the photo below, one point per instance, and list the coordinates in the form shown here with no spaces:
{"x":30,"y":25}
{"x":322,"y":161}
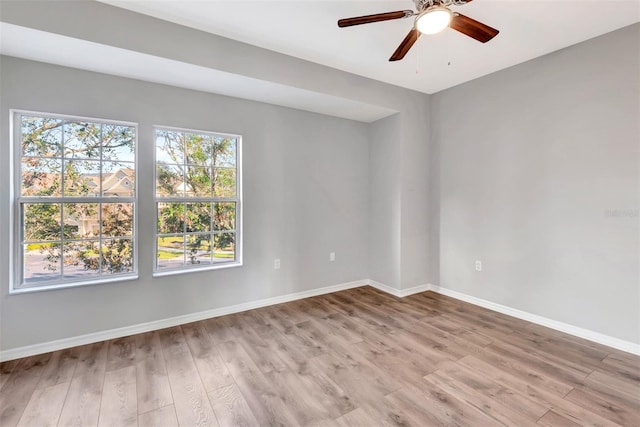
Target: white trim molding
{"x":596,"y":337}
{"x":587,"y":334}
{"x":400,"y":293}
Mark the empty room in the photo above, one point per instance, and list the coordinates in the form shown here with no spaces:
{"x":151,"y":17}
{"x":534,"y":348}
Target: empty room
{"x":319,"y":213}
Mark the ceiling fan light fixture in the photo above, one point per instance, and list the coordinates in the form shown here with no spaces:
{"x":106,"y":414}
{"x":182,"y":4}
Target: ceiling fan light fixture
{"x":433,"y":20}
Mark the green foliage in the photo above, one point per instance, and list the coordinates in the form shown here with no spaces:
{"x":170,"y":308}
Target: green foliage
{"x":171,"y":218}
{"x":201,"y":165}
{"x":41,"y":136}
{"x":196,"y":165}
{"x":84,"y":145}
{"x":42,"y":221}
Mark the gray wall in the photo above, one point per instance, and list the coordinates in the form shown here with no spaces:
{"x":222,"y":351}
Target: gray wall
{"x":305,"y":180}
{"x":385,"y":202}
{"x":400,"y":232}
{"x":532,"y":163}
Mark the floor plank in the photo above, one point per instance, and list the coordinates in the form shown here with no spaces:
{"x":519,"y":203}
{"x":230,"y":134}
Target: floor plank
{"x":44,"y":407}
{"x":82,"y":406}
{"x":303,"y":399}
{"x":611,"y":407}
{"x":19,"y":387}
{"x":481,"y":401}
{"x":434,"y":406}
{"x":230,"y":407}
{"x":190,"y":398}
{"x":356,"y":418}
{"x":60,"y":368}
{"x":161,"y":417}
{"x":152,"y":381}
{"x":265,"y":403}
{"x":121,"y":353}
{"x":213,"y":372}
{"x":553,"y":419}
{"x":6,"y":368}
{"x":119,"y":402}
{"x":92,"y":359}
{"x":625,"y":386}
{"x":253,"y":343}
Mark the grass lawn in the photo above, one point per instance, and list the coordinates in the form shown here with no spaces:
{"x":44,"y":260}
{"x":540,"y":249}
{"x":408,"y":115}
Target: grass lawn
{"x":223,"y":255}
{"x":168,"y":255}
{"x":169,"y":241}
{"x":172,"y":255}
{"x":36,"y":246}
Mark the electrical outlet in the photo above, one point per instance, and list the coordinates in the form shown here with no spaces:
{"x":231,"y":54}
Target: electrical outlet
{"x":332,"y":256}
{"x":478,"y":265}
{"x":276,"y":264}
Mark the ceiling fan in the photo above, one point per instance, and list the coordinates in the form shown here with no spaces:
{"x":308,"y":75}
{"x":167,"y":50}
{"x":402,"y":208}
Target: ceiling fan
{"x":432,"y":16}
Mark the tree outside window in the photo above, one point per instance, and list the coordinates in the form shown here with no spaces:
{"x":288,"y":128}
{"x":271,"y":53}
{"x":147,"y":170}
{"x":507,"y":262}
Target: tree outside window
{"x":196,"y":199}
{"x":76,"y":199}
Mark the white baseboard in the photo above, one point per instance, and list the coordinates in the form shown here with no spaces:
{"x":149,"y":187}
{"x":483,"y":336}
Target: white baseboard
{"x":587,"y":334}
{"x":46,"y":347}
{"x":400,"y":293}
{"x":30,"y":350}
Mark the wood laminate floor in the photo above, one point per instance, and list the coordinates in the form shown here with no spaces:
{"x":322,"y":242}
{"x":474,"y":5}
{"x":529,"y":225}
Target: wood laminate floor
{"x":353,"y":358}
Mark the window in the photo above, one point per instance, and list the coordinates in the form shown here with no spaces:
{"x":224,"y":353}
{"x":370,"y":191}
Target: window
{"x":75,"y":200}
{"x":197,"y":200}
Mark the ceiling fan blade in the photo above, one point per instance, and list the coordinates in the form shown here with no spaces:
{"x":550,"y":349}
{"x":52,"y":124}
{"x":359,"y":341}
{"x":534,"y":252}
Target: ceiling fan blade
{"x":378,"y":17}
{"x":406,"y":44}
{"x":472,"y":28}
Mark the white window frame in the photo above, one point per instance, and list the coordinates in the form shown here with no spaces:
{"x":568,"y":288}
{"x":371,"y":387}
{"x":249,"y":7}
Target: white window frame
{"x":16,"y":279}
{"x":157,"y":272}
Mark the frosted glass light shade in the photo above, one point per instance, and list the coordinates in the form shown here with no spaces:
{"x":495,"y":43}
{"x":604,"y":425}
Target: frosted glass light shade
{"x":433,"y":20}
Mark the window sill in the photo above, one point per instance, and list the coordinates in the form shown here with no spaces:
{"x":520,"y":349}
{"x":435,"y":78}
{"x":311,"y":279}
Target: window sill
{"x":30,"y":289}
{"x":220,"y":266}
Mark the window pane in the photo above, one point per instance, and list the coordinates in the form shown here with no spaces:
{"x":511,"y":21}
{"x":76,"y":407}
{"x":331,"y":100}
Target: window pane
{"x":41,"y":136}
{"x":81,"y":178}
{"x":118,"y":179}
{"x":118,"y":143}
{"x":171,"y":218}
{"x":81,"y":220}
{"x":198,"y":217}
{"x":41,"y":222}
{"x":170,"y":252}
{"x":192,"y":165}
{"x":198,"y":149}
{"x":224,"y":182}
{"x":224,"y":216}
{"x":82,"y":140}
{"x":41,"y":262}
{"x":41,"y":177}
{"x":117,"y":219}
{"x":75,"y":158}
{"x":224,"y":247}
{"x":224,"y":152}
{"x":198,"y":182}
{"x":169,"y":180}
{"x":117,"y":256}
{"x":170,"y":147}
{"x":199,"y":249}
{"x":81,"y":259}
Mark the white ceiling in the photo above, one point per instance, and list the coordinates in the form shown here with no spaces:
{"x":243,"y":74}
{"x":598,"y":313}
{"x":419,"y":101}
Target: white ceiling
{"x":307,"y":29}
